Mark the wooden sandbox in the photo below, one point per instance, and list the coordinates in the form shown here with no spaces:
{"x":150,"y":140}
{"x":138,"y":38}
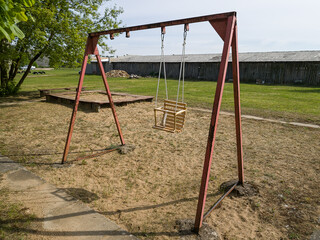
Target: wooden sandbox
{"x":96,"y":99}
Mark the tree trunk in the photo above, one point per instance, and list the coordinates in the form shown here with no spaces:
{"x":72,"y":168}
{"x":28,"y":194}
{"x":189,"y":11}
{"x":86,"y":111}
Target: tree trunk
{"x":1,"y":76}
{"x":17,"y":87}
{"x":14,"y":68}
{"x":4,"y":74}
{"x":3,"y":64}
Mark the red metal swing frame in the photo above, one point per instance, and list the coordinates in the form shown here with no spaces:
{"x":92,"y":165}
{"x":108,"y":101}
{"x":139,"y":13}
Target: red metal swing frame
{"x":225,"y":25}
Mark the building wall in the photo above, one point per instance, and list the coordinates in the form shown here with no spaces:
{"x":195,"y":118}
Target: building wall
{"x":201,"y":71}
{"x":93,"y":68}
{"x":306,"y":73}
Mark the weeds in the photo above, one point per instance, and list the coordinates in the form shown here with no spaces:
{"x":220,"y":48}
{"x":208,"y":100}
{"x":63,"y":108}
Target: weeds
{"x":13,"y":218}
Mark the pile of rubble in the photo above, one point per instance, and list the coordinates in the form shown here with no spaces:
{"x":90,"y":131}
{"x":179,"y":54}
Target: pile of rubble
{"x":117,"y":73}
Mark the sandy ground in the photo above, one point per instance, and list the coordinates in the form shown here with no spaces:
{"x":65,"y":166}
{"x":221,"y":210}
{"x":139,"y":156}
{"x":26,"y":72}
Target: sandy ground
{"x":147,"y":190}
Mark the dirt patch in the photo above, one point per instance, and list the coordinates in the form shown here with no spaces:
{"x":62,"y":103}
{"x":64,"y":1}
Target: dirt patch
{"x":125,"y":149}
{"x":185,"y":228}
{"x":117,"y":73}
{"x":246,"y":189}
{"x":145,"y":191}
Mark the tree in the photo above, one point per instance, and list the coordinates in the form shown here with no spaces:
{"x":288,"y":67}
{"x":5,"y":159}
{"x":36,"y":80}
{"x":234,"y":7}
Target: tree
{"x":58,"y":30}
{"x":12,"y":12}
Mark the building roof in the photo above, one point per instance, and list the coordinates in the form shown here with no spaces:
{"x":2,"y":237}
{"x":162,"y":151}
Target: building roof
{"x":103,"y":59}
{"x":292,"y":56}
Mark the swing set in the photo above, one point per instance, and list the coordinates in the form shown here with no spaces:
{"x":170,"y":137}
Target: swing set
{"x":174,"y":112}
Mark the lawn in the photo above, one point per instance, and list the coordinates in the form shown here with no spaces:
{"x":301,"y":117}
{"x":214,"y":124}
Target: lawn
{"x":271,"y":101}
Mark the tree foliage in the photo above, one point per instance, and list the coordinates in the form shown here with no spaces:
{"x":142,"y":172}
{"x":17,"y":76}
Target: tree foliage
{"x":11,"y":13}
{"x":58,"y":30}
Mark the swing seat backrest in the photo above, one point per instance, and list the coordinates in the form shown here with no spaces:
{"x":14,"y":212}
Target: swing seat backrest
{"x":173,"y":117}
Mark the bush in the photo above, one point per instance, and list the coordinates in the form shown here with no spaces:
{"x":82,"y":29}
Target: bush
{"x":9,"y":90}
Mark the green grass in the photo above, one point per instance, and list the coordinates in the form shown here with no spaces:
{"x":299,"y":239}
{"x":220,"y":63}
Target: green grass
{"x":273,"y":101}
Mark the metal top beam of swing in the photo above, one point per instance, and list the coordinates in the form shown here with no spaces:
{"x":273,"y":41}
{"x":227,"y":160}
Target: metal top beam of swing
{"x":225,"y":25}
{"x":213,"y":17}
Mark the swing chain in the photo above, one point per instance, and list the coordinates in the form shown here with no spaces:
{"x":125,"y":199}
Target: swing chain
{"x":162,"y":43}
{"x":162,"y":62}
{"x":185,"y":36}
{"x":182,"y":65}
{"x":186,"y":29}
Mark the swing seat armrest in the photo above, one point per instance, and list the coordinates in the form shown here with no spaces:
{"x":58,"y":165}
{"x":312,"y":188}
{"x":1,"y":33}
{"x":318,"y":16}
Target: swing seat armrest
{"x":181,"y":111}
{"x":159,"y":109}
{"x":169,"y":111}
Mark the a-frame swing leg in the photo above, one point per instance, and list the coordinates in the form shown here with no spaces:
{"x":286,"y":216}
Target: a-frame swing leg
{"x":226,"y":30}
{"x":91,"y":48}
{"x":106,"y":85}
{"x":237,"y":108}
{"x":76,"y":103}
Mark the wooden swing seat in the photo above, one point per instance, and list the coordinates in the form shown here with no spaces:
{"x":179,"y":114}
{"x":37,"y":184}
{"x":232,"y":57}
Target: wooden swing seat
{"x":173,"y":117}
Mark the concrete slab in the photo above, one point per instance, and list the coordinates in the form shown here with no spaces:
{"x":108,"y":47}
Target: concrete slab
{"x":22,"y":179}
{"x":243,"y":116}
{"x":7,"y":165}
{"x":59,"y":215}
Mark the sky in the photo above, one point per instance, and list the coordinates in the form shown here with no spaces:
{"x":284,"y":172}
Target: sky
{"x":263,"y":25}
